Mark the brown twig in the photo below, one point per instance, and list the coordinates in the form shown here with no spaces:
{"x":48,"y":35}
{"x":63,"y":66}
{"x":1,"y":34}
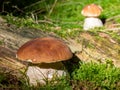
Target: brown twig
{"x":53,"y":6}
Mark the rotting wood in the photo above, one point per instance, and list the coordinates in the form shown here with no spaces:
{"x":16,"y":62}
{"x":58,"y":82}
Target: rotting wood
{"x":9,"y":63}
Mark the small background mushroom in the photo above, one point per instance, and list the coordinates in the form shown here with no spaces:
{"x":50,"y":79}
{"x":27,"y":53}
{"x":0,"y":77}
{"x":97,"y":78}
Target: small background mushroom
{"x":92,"y":12}
{"x":46,"y":55}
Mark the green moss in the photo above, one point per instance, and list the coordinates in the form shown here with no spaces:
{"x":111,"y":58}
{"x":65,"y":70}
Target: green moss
{"x":102,"y":75}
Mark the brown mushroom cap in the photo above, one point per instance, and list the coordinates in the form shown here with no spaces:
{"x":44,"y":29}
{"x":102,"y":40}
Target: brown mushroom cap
{"x":91,"y":10}
{"x":44,"y":50}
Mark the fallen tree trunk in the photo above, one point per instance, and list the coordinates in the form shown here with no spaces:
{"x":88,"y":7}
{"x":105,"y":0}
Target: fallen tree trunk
{"x":100,"y":48}
{"x":87,"y":47}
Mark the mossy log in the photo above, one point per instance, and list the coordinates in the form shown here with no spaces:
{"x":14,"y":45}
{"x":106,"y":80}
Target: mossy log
{"x":89,"y":46}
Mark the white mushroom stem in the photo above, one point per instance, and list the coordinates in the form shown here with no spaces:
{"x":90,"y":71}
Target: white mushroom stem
{"x":90,"y":23}
{"x":38,"y":75}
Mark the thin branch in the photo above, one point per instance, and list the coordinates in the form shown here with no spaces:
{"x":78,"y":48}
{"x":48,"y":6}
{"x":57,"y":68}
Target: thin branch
{"x":33,"y":4}
{"x":53,"y":6}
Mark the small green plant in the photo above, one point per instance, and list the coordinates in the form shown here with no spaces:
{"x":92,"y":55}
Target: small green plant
{"x":61,"y":83}
{"x":101,"y":75}
{"x":1,"y":42}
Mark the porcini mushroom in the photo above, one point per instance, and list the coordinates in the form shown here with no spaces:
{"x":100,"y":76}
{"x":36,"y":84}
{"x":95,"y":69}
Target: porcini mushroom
{"x":47,"y":53}
{"x":92,"y":12}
